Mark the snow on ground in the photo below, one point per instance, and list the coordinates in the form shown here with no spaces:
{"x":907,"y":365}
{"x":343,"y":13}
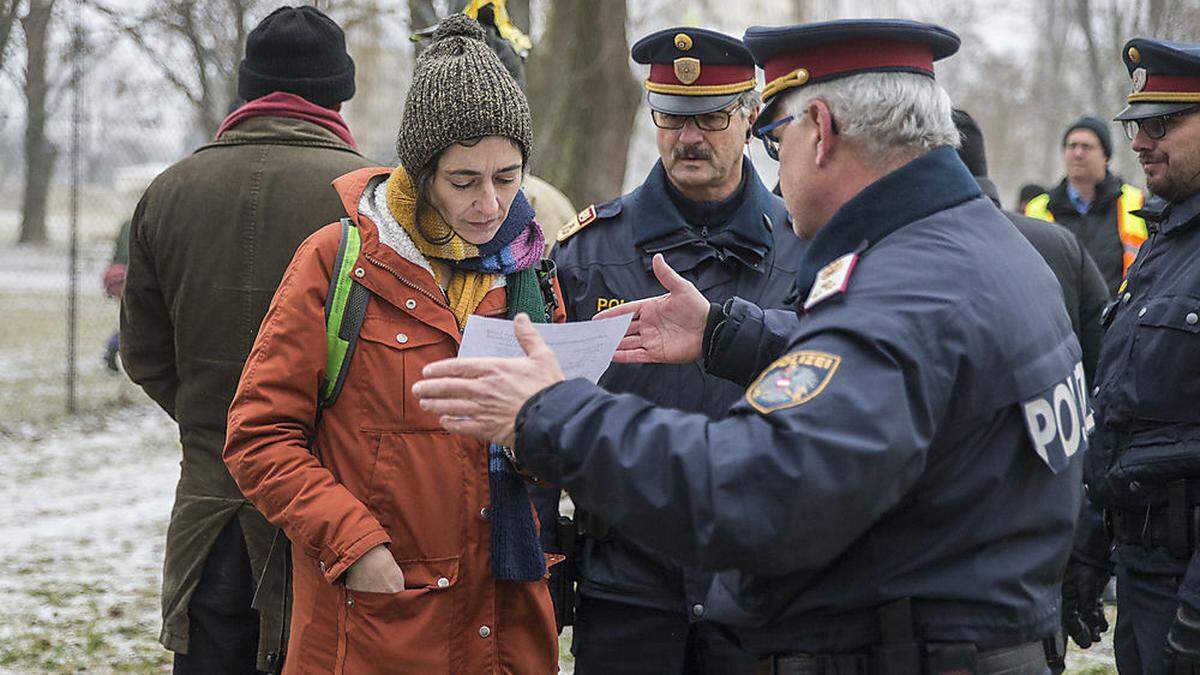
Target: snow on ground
{"x":83,"y":519}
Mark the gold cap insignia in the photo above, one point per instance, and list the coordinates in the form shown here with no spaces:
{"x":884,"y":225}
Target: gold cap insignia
{"x":1139,"y":80}
{"x":687,"y":69}
{"x":683,"y":42}
{"x":1134,"y":55}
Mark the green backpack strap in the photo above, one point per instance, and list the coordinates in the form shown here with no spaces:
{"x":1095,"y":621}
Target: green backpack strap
{"x":345,"y":307}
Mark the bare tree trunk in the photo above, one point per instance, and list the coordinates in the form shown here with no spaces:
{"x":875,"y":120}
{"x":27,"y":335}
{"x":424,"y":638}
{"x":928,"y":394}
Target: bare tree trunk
{"x":8,"y":19}
{"x":1085,"y":20}
{"x":39,"y":153}
{"x":584,"y":99}
{"x":238,"y":10}
{"x":1158,"y":15}
{"x":421,"y":14}
{"x":518,"y":11}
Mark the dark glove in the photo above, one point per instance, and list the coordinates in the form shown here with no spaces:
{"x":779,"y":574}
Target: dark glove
{"x":1182,"y":653}
{"x":1082,"y":605}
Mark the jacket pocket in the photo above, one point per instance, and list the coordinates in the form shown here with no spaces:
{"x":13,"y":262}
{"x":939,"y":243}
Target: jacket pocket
{"x":1166,"y":359}
{"x":406,"y":632}
{"x":419,"y":492}
{"x":387,"y":362}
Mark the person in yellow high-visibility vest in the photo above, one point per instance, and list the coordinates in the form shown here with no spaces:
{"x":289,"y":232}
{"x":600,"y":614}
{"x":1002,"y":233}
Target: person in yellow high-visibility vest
{"x":1093,"y":202}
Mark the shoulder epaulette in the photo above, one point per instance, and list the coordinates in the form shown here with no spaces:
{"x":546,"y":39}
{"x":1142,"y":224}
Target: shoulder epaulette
{"x":581,"y":220}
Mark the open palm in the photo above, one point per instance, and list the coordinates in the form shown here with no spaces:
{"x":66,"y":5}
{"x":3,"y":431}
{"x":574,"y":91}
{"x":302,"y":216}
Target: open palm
{"x":665,"y":329}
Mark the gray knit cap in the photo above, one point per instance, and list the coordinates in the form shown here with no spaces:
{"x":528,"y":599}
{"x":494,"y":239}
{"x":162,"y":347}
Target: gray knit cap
{"x":460,"y":90}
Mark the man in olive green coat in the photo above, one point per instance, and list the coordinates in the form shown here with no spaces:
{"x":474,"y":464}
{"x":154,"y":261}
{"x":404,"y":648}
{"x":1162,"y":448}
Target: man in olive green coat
{"x":209,"y":244}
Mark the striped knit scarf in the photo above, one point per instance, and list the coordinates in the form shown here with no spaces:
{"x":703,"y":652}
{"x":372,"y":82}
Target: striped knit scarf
{"x":513,"y":252}
{"x":518,"y":245}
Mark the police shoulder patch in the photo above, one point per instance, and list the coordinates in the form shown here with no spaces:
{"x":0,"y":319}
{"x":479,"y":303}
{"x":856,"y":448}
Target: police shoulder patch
{"x":794,"y":379}
{"x":581,"y":220}
{"x":831,"y":280}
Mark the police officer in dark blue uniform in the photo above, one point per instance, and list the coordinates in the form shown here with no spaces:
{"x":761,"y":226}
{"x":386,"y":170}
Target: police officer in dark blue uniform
{"x":897,"y":489}
{"x":1143,"y":468}
{"x":704,"y":208}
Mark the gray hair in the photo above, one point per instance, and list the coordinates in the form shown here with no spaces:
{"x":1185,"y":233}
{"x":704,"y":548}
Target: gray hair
{"x":890,"y":118}
{"x":749,"y":101}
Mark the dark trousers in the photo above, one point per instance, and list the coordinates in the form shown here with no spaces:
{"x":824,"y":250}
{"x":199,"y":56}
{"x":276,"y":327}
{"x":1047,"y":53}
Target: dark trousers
{"x":223,"y":629}
{"x":1146,"y":606}
{"x":613,"y":637}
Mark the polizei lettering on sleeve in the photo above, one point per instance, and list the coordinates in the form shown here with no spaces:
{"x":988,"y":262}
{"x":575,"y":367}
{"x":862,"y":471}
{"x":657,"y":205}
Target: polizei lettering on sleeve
{"x":1059,"y":420}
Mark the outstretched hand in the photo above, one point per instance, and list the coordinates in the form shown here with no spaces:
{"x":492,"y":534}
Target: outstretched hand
{"x":480,"y":397}
{"x":667,"y":328}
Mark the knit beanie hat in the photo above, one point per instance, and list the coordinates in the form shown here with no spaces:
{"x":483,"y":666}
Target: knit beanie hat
{"x":301,"y":51}
{"x":971,"y":150}
{"x":460,"y":90}
{"x":1096,"y":125}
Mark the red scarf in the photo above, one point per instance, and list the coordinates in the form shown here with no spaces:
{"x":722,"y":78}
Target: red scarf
{"x":283,"y":104}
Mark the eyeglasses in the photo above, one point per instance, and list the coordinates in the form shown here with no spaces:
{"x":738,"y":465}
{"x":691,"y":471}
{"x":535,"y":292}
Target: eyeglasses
{"x":771,"y":143}
{"x":713,"y":121}
{"x":1154,"y":127}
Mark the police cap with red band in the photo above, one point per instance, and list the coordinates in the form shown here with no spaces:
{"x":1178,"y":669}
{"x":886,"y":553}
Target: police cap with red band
{"x":1166,"y":78}
{"x":794,"y":56}
{"x":693,"y":70}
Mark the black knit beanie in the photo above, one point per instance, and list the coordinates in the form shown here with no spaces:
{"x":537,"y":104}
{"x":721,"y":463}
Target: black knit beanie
{"x":971,"y":150}
{"x":301,"y":51}
{"x":1096,"y":125}
{"x":460,"y":90}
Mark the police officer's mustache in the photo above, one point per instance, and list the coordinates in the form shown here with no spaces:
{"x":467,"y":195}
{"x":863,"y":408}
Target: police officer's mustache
{"x":1150,"y":157}
{"x":692,"y":152}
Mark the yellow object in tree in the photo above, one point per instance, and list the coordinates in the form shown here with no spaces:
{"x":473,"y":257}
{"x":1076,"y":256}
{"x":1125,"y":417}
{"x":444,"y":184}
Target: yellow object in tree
{"x":519,"y":41}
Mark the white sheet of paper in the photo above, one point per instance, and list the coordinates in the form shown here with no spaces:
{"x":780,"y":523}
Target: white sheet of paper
{"x":584,"y":348}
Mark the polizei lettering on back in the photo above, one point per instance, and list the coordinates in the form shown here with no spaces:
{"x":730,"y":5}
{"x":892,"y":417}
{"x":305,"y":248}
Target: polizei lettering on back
{"x":1059,"y":420}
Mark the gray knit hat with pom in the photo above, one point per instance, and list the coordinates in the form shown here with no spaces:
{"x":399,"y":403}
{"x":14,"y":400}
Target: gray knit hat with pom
{"x":460,"y":90}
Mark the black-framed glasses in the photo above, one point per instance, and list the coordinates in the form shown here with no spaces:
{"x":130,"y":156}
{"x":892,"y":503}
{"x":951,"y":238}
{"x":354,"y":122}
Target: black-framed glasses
{"x":769,"y":141}
{"x":713,"y":121}
{"x":1153,"y":127}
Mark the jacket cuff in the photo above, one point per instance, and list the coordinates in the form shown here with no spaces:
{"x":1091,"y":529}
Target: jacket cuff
{"x":739,"y":334}
{"x":716,"y":319}
{"x":333,"y":564}
{"x":539,"y":421}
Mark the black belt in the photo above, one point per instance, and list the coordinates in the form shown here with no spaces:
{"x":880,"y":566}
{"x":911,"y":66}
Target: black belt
{"x":1026,"y":659}
{"x":1175,"y":527}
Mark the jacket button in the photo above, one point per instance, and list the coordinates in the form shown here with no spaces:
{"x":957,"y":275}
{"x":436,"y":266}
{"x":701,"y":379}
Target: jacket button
{"x":1096,"y":390}
{"x":322,"y":566}
{"x":484,"y":631}
{"x":401,"y":338}
{"x":358,"y":272}
{"x":1192,"y":318}
{"x":349,"y":602}
{"x":410,"y":303}
{"x":1135,"y":486}
{"x":1087,"y":489}
{"x":443,"y":583}
{"x":698,"y":610}
{"x":485,"y":513}
{"x":1141,"y":312}
{"x":1126,"y":297}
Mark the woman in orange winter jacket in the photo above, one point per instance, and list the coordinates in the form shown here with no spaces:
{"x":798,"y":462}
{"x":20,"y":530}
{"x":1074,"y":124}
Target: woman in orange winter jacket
{"x":413,"y":550}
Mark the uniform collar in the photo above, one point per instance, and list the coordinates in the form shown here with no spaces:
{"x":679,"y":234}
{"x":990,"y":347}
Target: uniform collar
{"x":712,"y":215}
{"x":930,"y":183}
{"x":1179,"y":214}
{"x":745,"y":235}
